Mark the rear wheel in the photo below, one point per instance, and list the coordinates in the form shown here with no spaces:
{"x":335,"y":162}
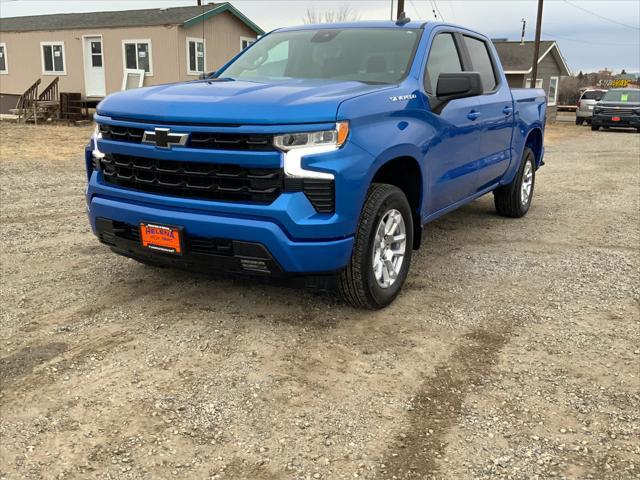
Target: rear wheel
{"x":579,"y":120}
{"x":514,"y":200}
{"x":595,"y":128}
{"x":382,"y":250}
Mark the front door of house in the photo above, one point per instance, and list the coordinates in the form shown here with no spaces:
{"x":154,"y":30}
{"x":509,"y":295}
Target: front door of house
{"x":93,"y":67}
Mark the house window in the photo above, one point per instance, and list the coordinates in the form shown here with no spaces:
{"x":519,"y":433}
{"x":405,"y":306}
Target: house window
{"x":3,"y":58}
{"x":53,"y":62}
{"x":137,"y":55}
{"x":245,"y":42}
{"x":195,"y":56}
{"x":527,"y":82}
{"x":552,"y":96}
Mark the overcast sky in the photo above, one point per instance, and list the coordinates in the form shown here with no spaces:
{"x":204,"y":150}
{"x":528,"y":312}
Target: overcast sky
{"x":588,"y":41}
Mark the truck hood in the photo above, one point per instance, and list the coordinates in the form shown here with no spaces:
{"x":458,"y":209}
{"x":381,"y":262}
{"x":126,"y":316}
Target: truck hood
{"x":236,"y":102}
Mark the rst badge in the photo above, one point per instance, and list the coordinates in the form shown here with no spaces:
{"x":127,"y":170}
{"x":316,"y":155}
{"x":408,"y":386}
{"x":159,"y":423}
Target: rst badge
{"x":399,"y":98}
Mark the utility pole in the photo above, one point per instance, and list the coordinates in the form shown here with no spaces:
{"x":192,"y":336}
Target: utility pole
{"x":524,"y":25}
{"x":199,"y":3}
{"x":536,"y":48}
{"x":400,"y":9}
{"x":391,"y":15}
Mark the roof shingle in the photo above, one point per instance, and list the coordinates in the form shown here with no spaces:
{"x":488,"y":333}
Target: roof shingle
{"x":122,"y":18}
{"x":517,"y":57}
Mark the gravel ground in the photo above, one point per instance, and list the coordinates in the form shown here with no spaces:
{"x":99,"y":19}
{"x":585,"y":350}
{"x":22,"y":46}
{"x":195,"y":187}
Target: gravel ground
{"x":513,"y":351}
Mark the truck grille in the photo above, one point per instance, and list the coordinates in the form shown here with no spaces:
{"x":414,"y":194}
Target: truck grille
{"x":206,"y":140}
{"x":616,"y":111}
{"x":193,"y":179}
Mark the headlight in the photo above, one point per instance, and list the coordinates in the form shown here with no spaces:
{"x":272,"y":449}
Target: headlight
{"x":95,"y":153}
{"x":335,"y":137}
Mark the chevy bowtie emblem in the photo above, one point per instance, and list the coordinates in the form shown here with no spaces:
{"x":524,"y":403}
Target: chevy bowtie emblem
{"x":164,"y":138}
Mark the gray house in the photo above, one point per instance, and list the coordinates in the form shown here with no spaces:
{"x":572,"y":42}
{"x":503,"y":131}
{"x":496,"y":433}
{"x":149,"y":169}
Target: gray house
{"x":517,"y":59}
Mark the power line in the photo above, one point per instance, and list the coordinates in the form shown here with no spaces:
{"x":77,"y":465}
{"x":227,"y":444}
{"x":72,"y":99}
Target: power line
{"x":415,"y":8}
{"x":435,"y":3}
{"x":589,"y":43}
{"x":433,"y":9}
{"x":601,"y":16}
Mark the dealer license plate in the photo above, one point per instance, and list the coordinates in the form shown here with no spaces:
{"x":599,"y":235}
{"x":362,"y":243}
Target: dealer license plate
{"x":161,"y":238}
{"x":615,"y":119}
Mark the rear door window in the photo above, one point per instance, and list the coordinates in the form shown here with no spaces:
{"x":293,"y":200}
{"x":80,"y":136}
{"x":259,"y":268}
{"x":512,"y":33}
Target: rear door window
{"x":481,"y":62}
{"x":443,"y":58}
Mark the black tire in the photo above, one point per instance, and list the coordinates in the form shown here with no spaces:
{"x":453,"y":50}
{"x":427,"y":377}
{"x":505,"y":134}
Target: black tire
{"x":579,"y":120}
{"x":588,"y":121}
{"x":357,"y":283}
{"x":595,"y":128}
{"x":508,"y":198}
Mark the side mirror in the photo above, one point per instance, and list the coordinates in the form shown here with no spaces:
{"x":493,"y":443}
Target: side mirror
{"x":598,"y":99}
{"x":458,"y":85}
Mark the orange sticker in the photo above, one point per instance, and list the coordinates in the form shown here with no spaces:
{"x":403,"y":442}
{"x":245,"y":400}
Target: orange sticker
{"x":160,"y":238}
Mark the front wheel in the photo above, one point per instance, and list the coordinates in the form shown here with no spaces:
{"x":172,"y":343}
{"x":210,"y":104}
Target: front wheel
{"x":382,"y":250}
{"x":513,"y":200}
{"x":594,"y":128}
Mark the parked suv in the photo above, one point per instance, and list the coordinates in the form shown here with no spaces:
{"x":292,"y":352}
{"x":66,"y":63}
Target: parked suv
{"x":620,"y":107}
{"x":587,"y":102}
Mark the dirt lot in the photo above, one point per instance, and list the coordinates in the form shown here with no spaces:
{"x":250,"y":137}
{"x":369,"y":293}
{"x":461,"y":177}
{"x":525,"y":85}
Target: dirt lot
{"x":513,"y":351}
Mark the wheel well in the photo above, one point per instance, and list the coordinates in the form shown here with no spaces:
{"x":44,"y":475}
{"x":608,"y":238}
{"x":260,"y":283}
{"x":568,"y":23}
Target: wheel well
{"x":534,"y":142}
{"x":404,"y":173}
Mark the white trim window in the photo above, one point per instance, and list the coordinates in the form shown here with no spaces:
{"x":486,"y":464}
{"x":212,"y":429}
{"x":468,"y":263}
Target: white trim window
{"x":53,"y":58}
{"x":552,"y":94}
{"x":4,"y":62}
{"x":527,"y":82}
{"x":196,"y":56}
{"x":245,"y":42}
{"x":137,"y":55}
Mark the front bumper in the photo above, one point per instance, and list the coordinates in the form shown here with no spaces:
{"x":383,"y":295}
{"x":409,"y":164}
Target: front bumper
{"x":281,"y":253}
{"x":625,"y":121}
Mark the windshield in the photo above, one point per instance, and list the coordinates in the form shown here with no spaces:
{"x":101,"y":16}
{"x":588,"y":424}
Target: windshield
{"x":370,"y":55}
{"x":593,"y":94}
{"x":622,"y":96}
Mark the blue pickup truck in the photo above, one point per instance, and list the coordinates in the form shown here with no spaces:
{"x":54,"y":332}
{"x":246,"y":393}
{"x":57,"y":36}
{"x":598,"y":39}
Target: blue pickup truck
{"x":319,"y":150}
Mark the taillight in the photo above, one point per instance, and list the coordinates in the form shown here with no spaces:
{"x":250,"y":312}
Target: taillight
{"x":578,"y":103}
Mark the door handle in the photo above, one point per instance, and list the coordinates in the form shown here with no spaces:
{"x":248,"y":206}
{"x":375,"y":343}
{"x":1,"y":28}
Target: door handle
{"x":472,"y":115}
{"x":507,"y":110}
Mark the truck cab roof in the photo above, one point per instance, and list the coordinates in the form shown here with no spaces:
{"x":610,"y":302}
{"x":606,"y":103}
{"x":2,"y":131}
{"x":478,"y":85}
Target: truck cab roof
{"x":359,"y":24}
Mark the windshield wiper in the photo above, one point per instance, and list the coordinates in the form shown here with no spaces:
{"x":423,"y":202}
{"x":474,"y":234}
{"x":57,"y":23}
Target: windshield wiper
{"x":221,"y":79}
{"x":374,"y":82}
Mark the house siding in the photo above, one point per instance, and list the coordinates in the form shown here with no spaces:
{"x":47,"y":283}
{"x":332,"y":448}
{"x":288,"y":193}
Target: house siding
{"x":168,"y":53}
{"x":222,"y":41}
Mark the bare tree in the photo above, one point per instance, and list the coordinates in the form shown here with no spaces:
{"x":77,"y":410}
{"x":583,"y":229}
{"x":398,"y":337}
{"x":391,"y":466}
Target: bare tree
{"x":343,"y":14}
